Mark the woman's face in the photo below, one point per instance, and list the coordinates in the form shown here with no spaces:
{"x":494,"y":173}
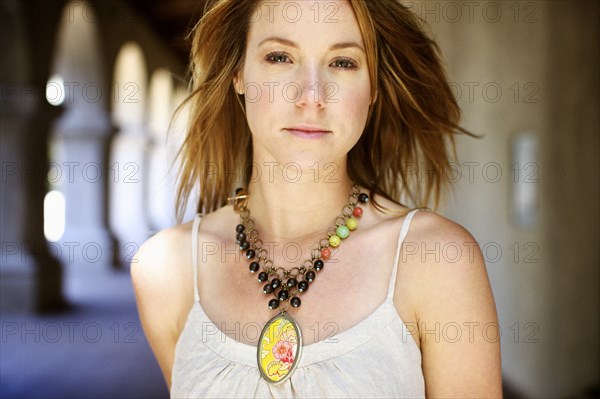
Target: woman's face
{"x":305,"y":68}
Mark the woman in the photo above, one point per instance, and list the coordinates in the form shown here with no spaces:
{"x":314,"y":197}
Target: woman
{"x":309,"y":120}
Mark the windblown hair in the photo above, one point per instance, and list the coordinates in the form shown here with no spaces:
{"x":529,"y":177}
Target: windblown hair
{"x":408,"y":128}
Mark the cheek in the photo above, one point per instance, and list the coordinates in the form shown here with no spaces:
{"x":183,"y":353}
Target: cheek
{"x":259,"y":108}
{"x":354,"y":106}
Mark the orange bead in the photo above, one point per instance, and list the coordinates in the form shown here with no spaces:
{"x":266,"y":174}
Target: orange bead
{"x":357,"y":211}
{"x":325,"y":253}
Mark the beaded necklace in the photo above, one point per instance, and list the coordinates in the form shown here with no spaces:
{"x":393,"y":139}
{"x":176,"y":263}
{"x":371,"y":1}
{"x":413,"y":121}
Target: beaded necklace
{"x":280,"y":343}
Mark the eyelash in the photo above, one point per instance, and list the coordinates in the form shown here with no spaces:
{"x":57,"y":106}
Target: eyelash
{"x":270,"y":56}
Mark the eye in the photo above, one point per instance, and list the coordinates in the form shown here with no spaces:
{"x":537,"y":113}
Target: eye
{"x":280,"y":58}
{"x":276,"y":58}
{"x":345,"y":63}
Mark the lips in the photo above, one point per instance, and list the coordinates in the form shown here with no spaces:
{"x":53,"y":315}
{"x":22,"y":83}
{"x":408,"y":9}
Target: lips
{"x":308,"y":129}
{"x":308,"y":134}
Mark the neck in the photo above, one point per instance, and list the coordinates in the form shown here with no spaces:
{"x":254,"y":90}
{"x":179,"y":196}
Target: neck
{"x":285,"y":210}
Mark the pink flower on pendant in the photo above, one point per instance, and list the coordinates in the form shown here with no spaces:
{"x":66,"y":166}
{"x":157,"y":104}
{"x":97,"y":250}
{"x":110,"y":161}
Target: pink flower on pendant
{"x":283,"y":351}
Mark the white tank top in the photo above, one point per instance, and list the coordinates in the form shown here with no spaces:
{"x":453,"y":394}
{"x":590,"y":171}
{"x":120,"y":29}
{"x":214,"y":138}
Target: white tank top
{"x":376,"y":358}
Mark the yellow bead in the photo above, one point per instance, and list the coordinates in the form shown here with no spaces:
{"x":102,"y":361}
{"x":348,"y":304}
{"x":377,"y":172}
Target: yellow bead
{"x":352,"y":224}
{"x":334,"y":241}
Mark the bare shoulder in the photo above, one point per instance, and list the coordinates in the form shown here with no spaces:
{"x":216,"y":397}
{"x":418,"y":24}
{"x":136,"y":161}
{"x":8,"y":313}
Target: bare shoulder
{"x":455,"y":310}
{"x":161,"y":278}
{"x":433,"y":239}
{"x":447,"y":255}
{"x":159,"y":262}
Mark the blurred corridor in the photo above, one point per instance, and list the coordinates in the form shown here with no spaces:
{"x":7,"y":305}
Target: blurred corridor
{"x":95,"y":349}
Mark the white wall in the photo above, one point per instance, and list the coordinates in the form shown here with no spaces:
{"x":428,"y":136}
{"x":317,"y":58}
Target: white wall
{"x":544,"y":58}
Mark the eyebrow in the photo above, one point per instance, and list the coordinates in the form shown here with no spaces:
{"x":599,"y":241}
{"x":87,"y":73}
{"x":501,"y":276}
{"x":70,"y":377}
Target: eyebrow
{"x":290,"y":43}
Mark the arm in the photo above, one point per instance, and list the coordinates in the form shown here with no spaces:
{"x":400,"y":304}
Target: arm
{"x":158,"y":290}
{"x":457,"y":319}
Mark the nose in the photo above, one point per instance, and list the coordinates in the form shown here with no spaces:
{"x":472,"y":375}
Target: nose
{"x":311,"y":89}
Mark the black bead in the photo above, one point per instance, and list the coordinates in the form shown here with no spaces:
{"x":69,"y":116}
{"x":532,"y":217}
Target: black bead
{"x":362,"y":197}
{"x":276,"y":283}
{"x":241,"y":237}
{"x":291,"y":282}
{"x":250,"y":254}
{"x":295,"y":301}
{"x":302,"y":286}
{"x":240,"y":228}
{"x":273,"y":303}
{"x":310,"y":276}
{"x":319,"y":264}
{"x":283,"y":295}
{"x":254,"y":266}
{"x":262,"y":277}
{"x":268,"y":288}
{"x":244,"y":245}
{"x":237,"y":190}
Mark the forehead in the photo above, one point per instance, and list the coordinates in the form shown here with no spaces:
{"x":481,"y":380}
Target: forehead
{"x":304,"y":21}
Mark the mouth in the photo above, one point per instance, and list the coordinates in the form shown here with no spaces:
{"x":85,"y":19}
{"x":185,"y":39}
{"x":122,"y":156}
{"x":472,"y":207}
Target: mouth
{"x":310,"y":132}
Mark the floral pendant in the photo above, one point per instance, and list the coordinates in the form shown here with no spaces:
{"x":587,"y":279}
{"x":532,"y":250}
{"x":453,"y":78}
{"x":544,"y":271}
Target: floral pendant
{"x":279,"y":348}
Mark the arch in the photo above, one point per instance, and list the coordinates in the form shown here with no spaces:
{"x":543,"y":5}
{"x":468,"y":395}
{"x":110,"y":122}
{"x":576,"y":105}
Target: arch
{"x":128,"y":158}
{"x":79,"y":63}
{"x":159,"y":103}
{"x":129,"y":88}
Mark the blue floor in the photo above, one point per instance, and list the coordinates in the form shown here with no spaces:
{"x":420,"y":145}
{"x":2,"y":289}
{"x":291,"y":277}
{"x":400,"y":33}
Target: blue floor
{"x":95,"y":350}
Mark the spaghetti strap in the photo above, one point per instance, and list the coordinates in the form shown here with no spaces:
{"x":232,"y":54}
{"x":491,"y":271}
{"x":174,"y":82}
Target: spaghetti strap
{"x":403,"y":232}
{"x":195,"y":226}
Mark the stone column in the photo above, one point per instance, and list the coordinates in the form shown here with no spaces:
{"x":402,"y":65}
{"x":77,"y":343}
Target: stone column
{"x":128,"y":152}
{"x":30,"y":276}
{"x":80,"y":138}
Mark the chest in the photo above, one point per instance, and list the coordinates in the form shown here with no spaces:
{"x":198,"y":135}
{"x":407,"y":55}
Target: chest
{"x":351,"y":286}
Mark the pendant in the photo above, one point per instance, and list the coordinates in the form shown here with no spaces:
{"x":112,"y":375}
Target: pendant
{"x":279,"y":348}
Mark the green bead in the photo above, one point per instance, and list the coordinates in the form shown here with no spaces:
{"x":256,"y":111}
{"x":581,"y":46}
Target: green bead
{"x":342,"y":231}
{"x":334,"y":241}
{"x":352,"y":223}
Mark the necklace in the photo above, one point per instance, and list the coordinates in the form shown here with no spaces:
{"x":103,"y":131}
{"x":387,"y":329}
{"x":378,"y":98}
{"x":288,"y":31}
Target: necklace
{"x":280,"y":343}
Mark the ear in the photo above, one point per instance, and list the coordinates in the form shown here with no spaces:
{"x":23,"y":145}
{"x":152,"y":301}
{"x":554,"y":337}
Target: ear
{"x":237,"y":84}
{"x":374,"y":98}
